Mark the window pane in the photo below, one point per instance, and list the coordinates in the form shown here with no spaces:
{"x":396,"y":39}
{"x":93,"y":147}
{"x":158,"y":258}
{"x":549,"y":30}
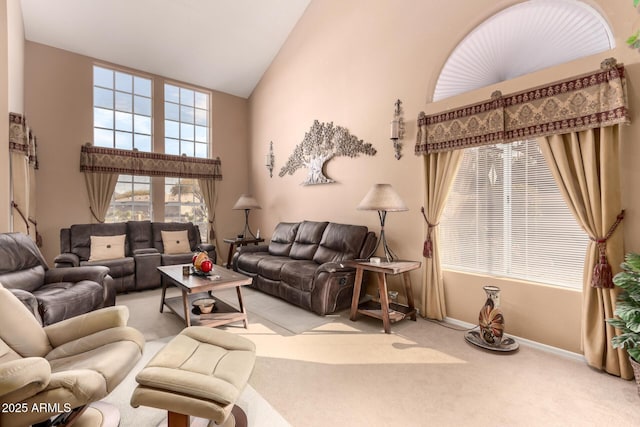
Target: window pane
{"x":102,"y":118}
{"x":102,"y":98}
{"x":186,"y":131}
{"x":102,"y":77}
{"x":124,"y":140}
{"x":142,"y":124}
{"x":172,"y":146}
{"x":124,"y":102}
{"x":142,"y":105}
{"x":124,"y":82}
{"x":202,"y":100}
{"x":202,"y":134}
{"x":201,"y":150}
{"x":172,"y":93}
{"x":142,"y":142}
{"x":171,"y":129}
{"x":171,"y":111}
{"x":186,"y":147}
{"x":186,"y":114}
{"x":102,"y":138}
{"x":186,"y":97}
{"x":124,"y":121}
{"x":202,"y":117}
{"x":142,"y":86}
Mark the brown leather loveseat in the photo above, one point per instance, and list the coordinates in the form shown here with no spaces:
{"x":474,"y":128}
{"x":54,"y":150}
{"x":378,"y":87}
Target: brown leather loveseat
{"x":51,"y":294}
{"x":303,"y":263}
{"x":145,"y":249}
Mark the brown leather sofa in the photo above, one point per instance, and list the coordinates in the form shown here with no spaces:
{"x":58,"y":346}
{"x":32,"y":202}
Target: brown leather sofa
{"x":303,"y":263}
{"x":51,"y":294}
{"x":144,"y":250}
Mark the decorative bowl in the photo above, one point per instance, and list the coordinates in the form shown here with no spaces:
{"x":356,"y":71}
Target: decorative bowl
{"x":205,"y":305}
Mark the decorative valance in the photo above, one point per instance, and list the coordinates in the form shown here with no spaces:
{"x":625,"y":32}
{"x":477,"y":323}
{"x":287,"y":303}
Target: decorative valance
{"x":591,"y":100}
{"x":132,"y":162}
{"x":21,"y":139}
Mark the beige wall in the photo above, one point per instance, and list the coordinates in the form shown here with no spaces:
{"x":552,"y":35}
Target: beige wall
{"x":58,"y":103}
{"x":347,"y":62}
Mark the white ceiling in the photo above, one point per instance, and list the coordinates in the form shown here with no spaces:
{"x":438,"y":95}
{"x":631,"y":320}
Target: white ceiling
{"x":225,"y":45}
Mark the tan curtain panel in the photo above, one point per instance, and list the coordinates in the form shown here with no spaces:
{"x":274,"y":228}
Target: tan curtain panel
{"x":100,"y":188}
{"x":208,"y":189}
{"x":586,"y":167}
{"x":131,"y":162}
{"x":23,"y":160}
{"x":440,"y":172}
{"x":588,"y":101}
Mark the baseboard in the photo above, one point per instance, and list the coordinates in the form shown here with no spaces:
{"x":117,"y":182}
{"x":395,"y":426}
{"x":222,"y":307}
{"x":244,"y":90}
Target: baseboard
{"x":524,"y":341}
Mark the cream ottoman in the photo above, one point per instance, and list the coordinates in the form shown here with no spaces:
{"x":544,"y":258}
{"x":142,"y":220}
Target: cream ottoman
{"x":201,"y":372}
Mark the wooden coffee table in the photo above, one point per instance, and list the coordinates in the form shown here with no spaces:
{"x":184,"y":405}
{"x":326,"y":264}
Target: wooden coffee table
{"x":194,"y":287}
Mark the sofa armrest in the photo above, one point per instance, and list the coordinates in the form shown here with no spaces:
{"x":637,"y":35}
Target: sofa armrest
{"x":67,"y":259}
{"x":334,"y":267}
{"x":332,"y":287}
{"x":95,"y":273}
{"x":29,"y":300}
{"x":86,"y":324}
{"x":145,"y":251}
{"x":23,"y":378}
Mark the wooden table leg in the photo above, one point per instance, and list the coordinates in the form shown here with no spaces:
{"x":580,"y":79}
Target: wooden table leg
{"x":355,"y":299}
{"x":185,"y":304}
{"x":177,"y":420}
{"x":408,"y":289}
{"x":242,"y":309}
{"x":164,"y":292}
{"x":231,"y":245}
{"x":384,"y":302}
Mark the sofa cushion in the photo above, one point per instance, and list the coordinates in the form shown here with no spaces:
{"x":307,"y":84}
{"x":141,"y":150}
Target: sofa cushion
{"x":248,"y":261}
{"x":175,"y":242}
{"x":307,"y":240}
{"x":158,"y":227}
{"x":270,"y":266}
{"x":139,"y":235}
{"x":107,"y":247}
{"x":62,"y":300}
{"x":117,"y":267}
{"x":282,"y":238}
{"x":340,"y":242}
{"x":80,"y":235}
{"x":299,"y":274}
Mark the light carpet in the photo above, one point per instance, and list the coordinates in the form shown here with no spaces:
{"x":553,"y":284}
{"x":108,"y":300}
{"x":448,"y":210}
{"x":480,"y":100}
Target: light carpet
{"x":422,"y":374}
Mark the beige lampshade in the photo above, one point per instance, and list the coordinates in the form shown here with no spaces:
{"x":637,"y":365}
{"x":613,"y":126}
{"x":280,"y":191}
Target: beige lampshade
{"x":382,"y":197}
{"x":246,"y":201}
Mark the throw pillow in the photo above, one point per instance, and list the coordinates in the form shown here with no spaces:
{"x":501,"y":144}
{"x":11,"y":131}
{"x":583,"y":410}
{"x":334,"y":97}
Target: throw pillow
{"x":107,"y":247}
{"x":175,"y":242}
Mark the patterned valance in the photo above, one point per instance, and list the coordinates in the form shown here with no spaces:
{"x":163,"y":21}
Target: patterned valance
{"x":132,"y":162}
{"x":595,"y":99}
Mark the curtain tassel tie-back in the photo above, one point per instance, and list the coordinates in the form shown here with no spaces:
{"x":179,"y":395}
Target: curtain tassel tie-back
{"x":427,"y":247}
{"x":602,"y":274}
{"x":212,"y":232}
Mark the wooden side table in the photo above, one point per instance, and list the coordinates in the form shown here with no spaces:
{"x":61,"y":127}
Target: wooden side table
{"x":381,"y":310}
{"x":239,"y":241}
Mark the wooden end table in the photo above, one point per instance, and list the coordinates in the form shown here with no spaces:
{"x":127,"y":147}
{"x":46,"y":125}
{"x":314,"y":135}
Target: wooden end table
{"x":239,"y":241}
{"x":194,"y":287}
{"x":381,"y":310}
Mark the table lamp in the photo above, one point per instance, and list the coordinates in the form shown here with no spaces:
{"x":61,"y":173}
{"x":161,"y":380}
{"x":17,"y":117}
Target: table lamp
{"x":383,"y":198}
{"x":246,"y":202}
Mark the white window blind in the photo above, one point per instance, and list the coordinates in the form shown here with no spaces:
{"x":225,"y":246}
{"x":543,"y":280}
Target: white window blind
{"x":506,"y":217}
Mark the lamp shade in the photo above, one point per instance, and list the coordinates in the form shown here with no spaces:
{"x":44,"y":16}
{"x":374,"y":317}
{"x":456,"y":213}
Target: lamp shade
{"x":246,"y":201}
{"x":382,"y":197}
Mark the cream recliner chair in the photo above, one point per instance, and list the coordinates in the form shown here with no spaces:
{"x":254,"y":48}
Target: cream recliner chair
{"x":67,"y":365}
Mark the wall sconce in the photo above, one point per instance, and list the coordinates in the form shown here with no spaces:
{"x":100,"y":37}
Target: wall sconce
{"x":269,"y":160}
{"x":397,"y":129}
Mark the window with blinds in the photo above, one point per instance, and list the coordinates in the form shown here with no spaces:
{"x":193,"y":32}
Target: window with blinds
{"x":506,"y":217}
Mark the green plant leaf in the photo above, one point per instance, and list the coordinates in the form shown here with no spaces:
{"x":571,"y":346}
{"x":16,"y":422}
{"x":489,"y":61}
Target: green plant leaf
{"x":634,"y":353}
{"x":635,"y":3}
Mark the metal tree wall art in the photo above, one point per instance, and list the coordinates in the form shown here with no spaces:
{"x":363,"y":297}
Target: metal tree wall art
{"x":321,"y":143}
